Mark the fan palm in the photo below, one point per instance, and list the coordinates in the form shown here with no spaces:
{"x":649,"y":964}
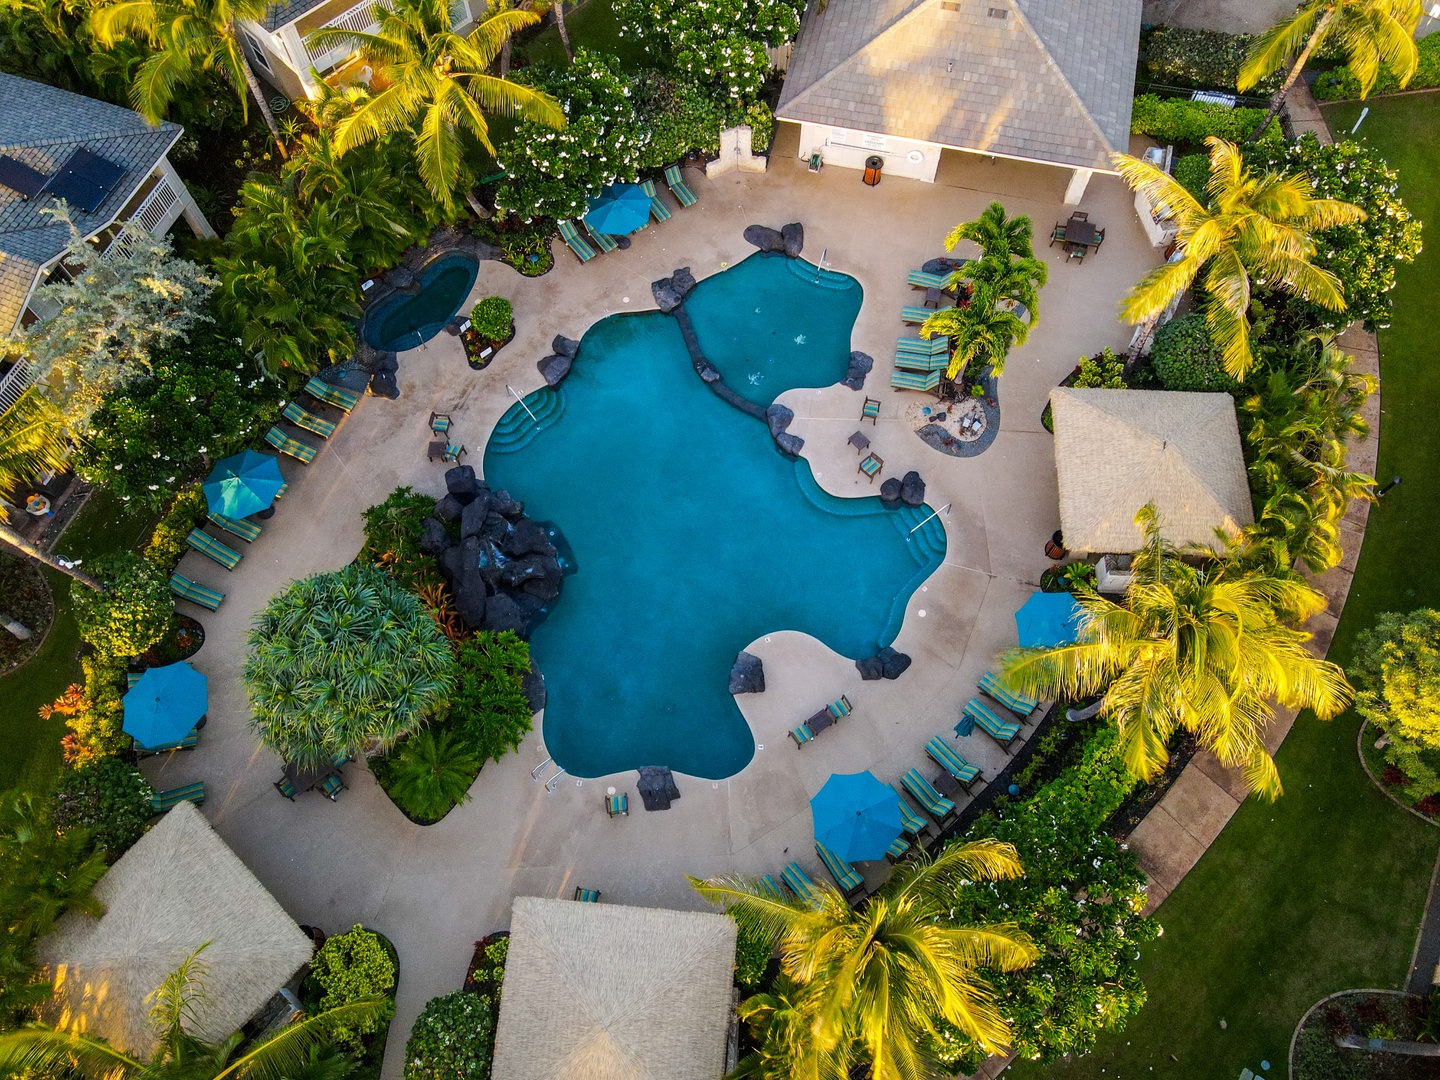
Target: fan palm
{"x":288,"y":1052}
{"x":984,"y":330}
{"x":872,"y":984}
{"x":1203,"y":649}
{"x":32,"y":440}
{"x":1368,"y":32}
{"x":188,"y":36}
{"x":437,"y":83}
{"x":1248,"y":225}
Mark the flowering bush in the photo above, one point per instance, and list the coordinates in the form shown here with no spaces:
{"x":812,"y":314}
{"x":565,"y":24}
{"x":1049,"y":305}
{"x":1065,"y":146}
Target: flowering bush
{"x":93,"y":711}
{"x":167,"y":543}
{"x":1396,"y":669}
{"x":453,"y":1039}
{"x":108,"y":799}
{"x":674,"y":117}
{"x":717,"y":43}
{"x":132,"y":614}
{"x":349,"y":967}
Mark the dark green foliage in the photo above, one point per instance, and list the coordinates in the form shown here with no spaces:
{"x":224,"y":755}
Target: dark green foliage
{"x":674,"y":117}
{"x":430,"y":773}
{"x":524,"y":246}
{"x":489,"y":707}
{"x":453,"y":1039}
{"x":1184,"y":358}
{"x":1193,"y":173}
{"x":392,"y":539}
{"x":1203,"y":59}
{"x":1188,"y":123}
{"x":351,"y":966}
{"x":753,"y":950}
{"x":1106,"y":371}
{"x":1396,"y":669}
{"x":135,"y":611}
{"x":167,"y":544}
{"x":26,"y":600}
{"x":492,"y":318}
{"x":106,"y":798}
{"x":1340,"y":83}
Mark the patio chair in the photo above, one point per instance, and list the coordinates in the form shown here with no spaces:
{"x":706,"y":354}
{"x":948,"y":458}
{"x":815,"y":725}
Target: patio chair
{"x":914,"y":380}
{"x":1002,"y":732}
{"x":161,"y":801}
{"x":340,"y":759}
{"x":342,"y":399}
{"x":249,"y":531}
{"x":213,"y":549}
{"x":1057,"y":234}
{"x":801,"y":735}
{"x":840,"y":708}
{"x":575,"y":242}
{"x":870,"y":410}
{"x":439,"y":423}
{"x":816,"y":162}
{"x":919,"y":279}
{"x":602,"y":241}
{"x":445,"y":451}
{"x":1099,"y":239}
{"x":1022,"y":705}
{"x":683,"y":195}
{"x":1076,"y":252}
{"x":898,"y":850}
{"x":911,"y":822}
{"x":186,"y":589}
{"x":286,"y":788}
{"x":847,"y":879}
{"x":917,"y":315}
{"x":281,"y":493}
{"x":189,"y":742}
{"x":332,"y":786}
{"x":453,"y":453}
{"x":871,"y":466}
{"x":767,"y":883}
{"x":935,"y":804}
{"x":798,"y":882}
{"x":586,"y":896}
{"x":301,"y":452}
{"x":617,"y":805}
{"x":1080,"y":215}
{"x":307,"y":420}
{"x":658,"y":210}
{"x":964,"y":773}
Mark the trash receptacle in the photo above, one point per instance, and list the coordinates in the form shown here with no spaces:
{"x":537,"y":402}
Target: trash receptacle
{"x":874,"y":165}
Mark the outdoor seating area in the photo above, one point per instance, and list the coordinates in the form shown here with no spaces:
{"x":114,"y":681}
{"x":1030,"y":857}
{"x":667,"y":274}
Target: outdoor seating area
{"x":1077,"y":235}
{"x":297,"y":779}
{"x":618,"y":211}
{"x":822,"y":720}
{"x":920,"y":363}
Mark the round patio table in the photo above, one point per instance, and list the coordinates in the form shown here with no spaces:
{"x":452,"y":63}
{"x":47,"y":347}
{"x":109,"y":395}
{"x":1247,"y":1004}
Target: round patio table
{"x":303,"y":779}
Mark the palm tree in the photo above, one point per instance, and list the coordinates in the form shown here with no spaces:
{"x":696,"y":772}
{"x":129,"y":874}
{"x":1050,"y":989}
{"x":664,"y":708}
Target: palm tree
{"x":871,"y":984}
{"x":437,"y":83}
{"x":32,"y":440}
{"x":188,"y":36}
{"x":432,"y":773}
{"x":40,"y":555}
{"x":289,"y":1052}
{"x":46,"y":871}
{"x":1367,"y":31}
{"x":984,"y":330}
{"x":1249,"y":225}
{"x":1198,"y":648}
{"x":999,"y":236}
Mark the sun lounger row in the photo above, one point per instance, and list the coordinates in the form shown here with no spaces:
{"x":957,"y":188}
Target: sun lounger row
{"x":836,"y":710}
{"x":584,"y":244}
{"x":189,"y":742}
{"x":161,"y":801}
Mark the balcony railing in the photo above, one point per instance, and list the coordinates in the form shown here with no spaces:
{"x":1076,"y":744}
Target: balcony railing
{"x":157,"y":205}
{"x":14,"y":383}
{"x":360,"y":19}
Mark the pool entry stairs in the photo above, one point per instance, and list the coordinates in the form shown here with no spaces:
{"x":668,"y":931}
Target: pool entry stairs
{"x":517,"y":427}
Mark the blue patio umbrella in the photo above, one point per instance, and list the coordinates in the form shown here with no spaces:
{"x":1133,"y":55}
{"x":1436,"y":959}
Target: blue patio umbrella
{"x":619,"y":209}
{"x":1048,"y":619}
{"x":243,"y":484}
{"x":165,"y":704}
{"x":856,"y":816}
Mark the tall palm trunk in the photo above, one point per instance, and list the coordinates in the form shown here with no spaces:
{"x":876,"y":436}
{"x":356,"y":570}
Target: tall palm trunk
{"x":254,"y":84}
{"x":1278,"y":101}
{"x":15,"y":628}
{"x":564,"y":32}
{"x":505,"y":59}
{"x":15,"y":540}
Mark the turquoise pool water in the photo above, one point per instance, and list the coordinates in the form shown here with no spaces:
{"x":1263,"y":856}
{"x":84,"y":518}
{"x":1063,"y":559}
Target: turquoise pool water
{"x":692,"y":536}
{"x":404,"y":322}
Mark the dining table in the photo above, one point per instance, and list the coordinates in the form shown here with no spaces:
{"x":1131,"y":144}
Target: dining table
{"x":1080,"y":231}
{"x":304,"y":779}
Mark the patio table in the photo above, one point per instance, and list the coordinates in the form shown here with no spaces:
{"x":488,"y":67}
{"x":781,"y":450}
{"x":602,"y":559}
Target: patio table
{"x":820,"y":721}
{"x":303,"y":779}
{"x":948,"y":786}
{"x":1080,"y":232}
{"x":859,"y":441}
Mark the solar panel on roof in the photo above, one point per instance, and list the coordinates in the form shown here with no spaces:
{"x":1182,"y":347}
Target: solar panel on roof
{"x":20,"y":178}
{"x":85,"y":180}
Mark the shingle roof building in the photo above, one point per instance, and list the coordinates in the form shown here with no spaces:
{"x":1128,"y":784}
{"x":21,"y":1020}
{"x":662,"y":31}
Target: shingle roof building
{"x":1045,"y":80}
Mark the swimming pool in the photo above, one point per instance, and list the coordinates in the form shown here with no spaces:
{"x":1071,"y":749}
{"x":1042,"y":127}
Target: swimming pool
{"x":693,"y":537}
{"x":402,"y":321}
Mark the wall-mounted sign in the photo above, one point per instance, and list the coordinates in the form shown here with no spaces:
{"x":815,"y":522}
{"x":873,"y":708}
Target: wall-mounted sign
{"x":873,"y":142}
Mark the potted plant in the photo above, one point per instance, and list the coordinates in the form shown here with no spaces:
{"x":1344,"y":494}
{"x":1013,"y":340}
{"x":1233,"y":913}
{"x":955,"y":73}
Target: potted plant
{"x":492,"y":326}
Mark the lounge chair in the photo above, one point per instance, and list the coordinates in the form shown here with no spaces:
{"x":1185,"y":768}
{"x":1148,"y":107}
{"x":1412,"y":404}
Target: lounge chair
{"x":342,"y":399}
{"x":1022,"y":705}
{"x":161,"y":801}
{"x":846,"y":878}
{"x":798,"y":882}
{"x":919,"y":279}
{"x":249,"y":531}
{"x":683,"y":195}
{"x":213,"y":549}
{"x":918,"y":315}
{"x":769,"y":885}
{"x":939,"y":345}
{"x":870,"y":410}
{"x":186,"y":589}
{"x":602,"y":241}
{"x":586,"y":896}
{"x":910,"y":821}
{"x":342,"y":758}
{"x":301,"y":452}
{"x":921,"y":365}
{"x":189,"y":742}
{"x":801,"y":735}
{"x":871,"y":466}
{"x":281,"y":493}
{"x":1057,"y":234}
{"x":286,"y":788}
{"x":133,"y":677}
{"x":332,"y":786}
{"x":935,"y":804}
{"x":1002,"y":732}
{"x":575,"y":242}
{"x":898,"y":850}
{"x":963,"y":772}
{"x":439,"y":423}
{"x":914,"y":380}
{"x":617,"y":805}
{"x":658,"y":210}
{"x":446,"y":451}
{"x":307,"y":420}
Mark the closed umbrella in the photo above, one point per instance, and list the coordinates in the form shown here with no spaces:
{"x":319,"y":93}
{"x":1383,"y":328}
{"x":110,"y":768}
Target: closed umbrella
{"x":618,"y":209}
{"x":1048,"y":619}
{"x":243,"y":484}
{"x":856,"y":816}
{"x":165,"y":704}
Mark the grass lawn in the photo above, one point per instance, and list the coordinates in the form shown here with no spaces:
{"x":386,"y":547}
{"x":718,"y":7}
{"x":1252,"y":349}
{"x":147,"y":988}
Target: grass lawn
{"x":1323,"y":890}
{"x":31,"y":745}
{"x":592,"y":26}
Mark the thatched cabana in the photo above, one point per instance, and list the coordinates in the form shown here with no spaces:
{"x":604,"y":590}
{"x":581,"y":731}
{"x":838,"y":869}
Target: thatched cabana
{"x":604,"y":992}
{"x":1116,"y":450}
{"x":179,"y":887}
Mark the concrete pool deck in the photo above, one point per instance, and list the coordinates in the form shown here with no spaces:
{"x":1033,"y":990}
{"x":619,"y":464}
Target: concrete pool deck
{"x":436,"y":890}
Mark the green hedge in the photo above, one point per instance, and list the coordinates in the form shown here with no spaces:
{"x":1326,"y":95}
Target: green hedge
{"x":1203,"y":59}
{"x":1184,"y":358}
{"x":1193,"y":173}
{"x":1175,"y":120}
{"x":1340,"y":84}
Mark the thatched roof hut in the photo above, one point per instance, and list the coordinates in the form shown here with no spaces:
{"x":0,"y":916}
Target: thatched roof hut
{"x":605,"y":992}
{"x":1116,"y":450}
{"x":179,"y":887}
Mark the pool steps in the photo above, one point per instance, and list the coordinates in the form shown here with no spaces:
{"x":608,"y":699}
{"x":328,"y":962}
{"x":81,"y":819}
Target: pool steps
{"x":515,"y":428}
{"x":826,"y":279}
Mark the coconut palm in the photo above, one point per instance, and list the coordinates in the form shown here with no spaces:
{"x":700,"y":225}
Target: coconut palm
{"x":288,"y":1052}
{"x":1368,"y":32}
{"x":1249,"y":225}
{"x":871,"y":984}
{"x":984,"y":329}
{"x":188,"y":36}
{"x":32,"y":440}
{"x":343,"y":662}
{"x":432,"y":773}
{"x":1199,"y":648}
{"x":437,"y":83}
{"x":999,"y":236}
{"x":40,"y":555}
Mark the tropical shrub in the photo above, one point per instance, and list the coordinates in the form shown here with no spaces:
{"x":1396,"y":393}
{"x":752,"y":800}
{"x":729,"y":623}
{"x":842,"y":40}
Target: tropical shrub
{"x":1193,"y":173}
{"x":1396,"y":668}
{"x":1341,"y":83}
{"x":392,"y":539}
{"x":93,"y":711}
{"x":350,"y":966}
{"x":718,"y":44}
{"x":493,"y":318}
{"x":762,"y":126}
{"x":674,"y":117}
{"x":1363,"y":255}
{"x":430,"y":773}
{"x":453,"y":1039}
{"x":489,"y":707}
{"x":167,"y":543}
{"x":132,"y":614}
{"x":1189,"y":123}
{"x":1184,"y":358}
{"x":1203,"y":59}
{"x":342,"y":661}
{"x":106,"y":798}
{"x":524,"y":246}
{"x":753,"y":950}
{"x":1106,"y":371}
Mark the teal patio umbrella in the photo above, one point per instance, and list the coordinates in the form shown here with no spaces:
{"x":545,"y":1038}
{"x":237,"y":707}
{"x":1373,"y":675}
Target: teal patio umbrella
{"x":618,"y":210}
{"x":165,"y":704}
{"x":1048,"y":619}
{"x":856,"y":816}
{"x":243,"y":484}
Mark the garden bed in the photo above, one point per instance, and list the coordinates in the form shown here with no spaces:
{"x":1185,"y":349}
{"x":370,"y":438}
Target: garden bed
{"x":1368,"y":1014}
{"x":183,"y":641}
{"x":361,"y":976}
{"x":486,"y":972}
{"x":480,"y":351}
{"x":1390,"y":779}
{"x":26,"y":600}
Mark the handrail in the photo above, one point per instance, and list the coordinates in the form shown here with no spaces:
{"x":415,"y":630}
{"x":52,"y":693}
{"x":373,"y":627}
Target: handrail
{"x":936,"y":514}
{"x":522,"y":403}
{"x":535,"y":772}
{"x":550,"y":784}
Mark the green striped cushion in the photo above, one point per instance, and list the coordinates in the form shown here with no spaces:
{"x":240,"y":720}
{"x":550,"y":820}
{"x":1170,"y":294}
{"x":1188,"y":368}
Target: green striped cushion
{"x":991,"y":724}
{"x":911,"y":380}
{"x":246,"y":530}
{"x":802,"y":735}
{"x":936,"y":804}
{"x":898,"y":848}
{"x":921,"y":280}
{"x":872,"y":408}
{"x":678,"y":187}
{"x":211,"y":548}
{"x":186,"y":589}
{"x":910,"y":821}
{"x":332,"y":395}
{"x":950,"y":761}
{"x":870,"y":466}
{"x":603,"y":242}
{"x":840,"y":709}
{"x":309,"y":421}
{"x":302,"y":452}
{"x":843,"y":873}
{"x":798,"y":881}
{"x":1010,"y":698}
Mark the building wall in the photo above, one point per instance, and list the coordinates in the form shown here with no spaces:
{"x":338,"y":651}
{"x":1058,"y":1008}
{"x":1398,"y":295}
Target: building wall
{"x":271,"y":62}
{"x":849,"y":148}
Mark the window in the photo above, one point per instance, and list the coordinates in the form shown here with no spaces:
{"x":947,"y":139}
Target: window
{"x":256,"y":51}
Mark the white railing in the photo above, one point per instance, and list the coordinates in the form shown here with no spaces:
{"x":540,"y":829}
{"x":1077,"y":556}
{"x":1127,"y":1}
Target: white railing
{"x":360,"y":19}
{"x":157,"y":204}
{"x":14,"y":383}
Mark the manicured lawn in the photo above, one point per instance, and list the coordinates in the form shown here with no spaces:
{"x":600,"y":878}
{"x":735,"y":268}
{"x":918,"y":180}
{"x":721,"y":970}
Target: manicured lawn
{"x":1323,"y":890}
{"x":31,"y":745}
{"x":592,"y":26}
